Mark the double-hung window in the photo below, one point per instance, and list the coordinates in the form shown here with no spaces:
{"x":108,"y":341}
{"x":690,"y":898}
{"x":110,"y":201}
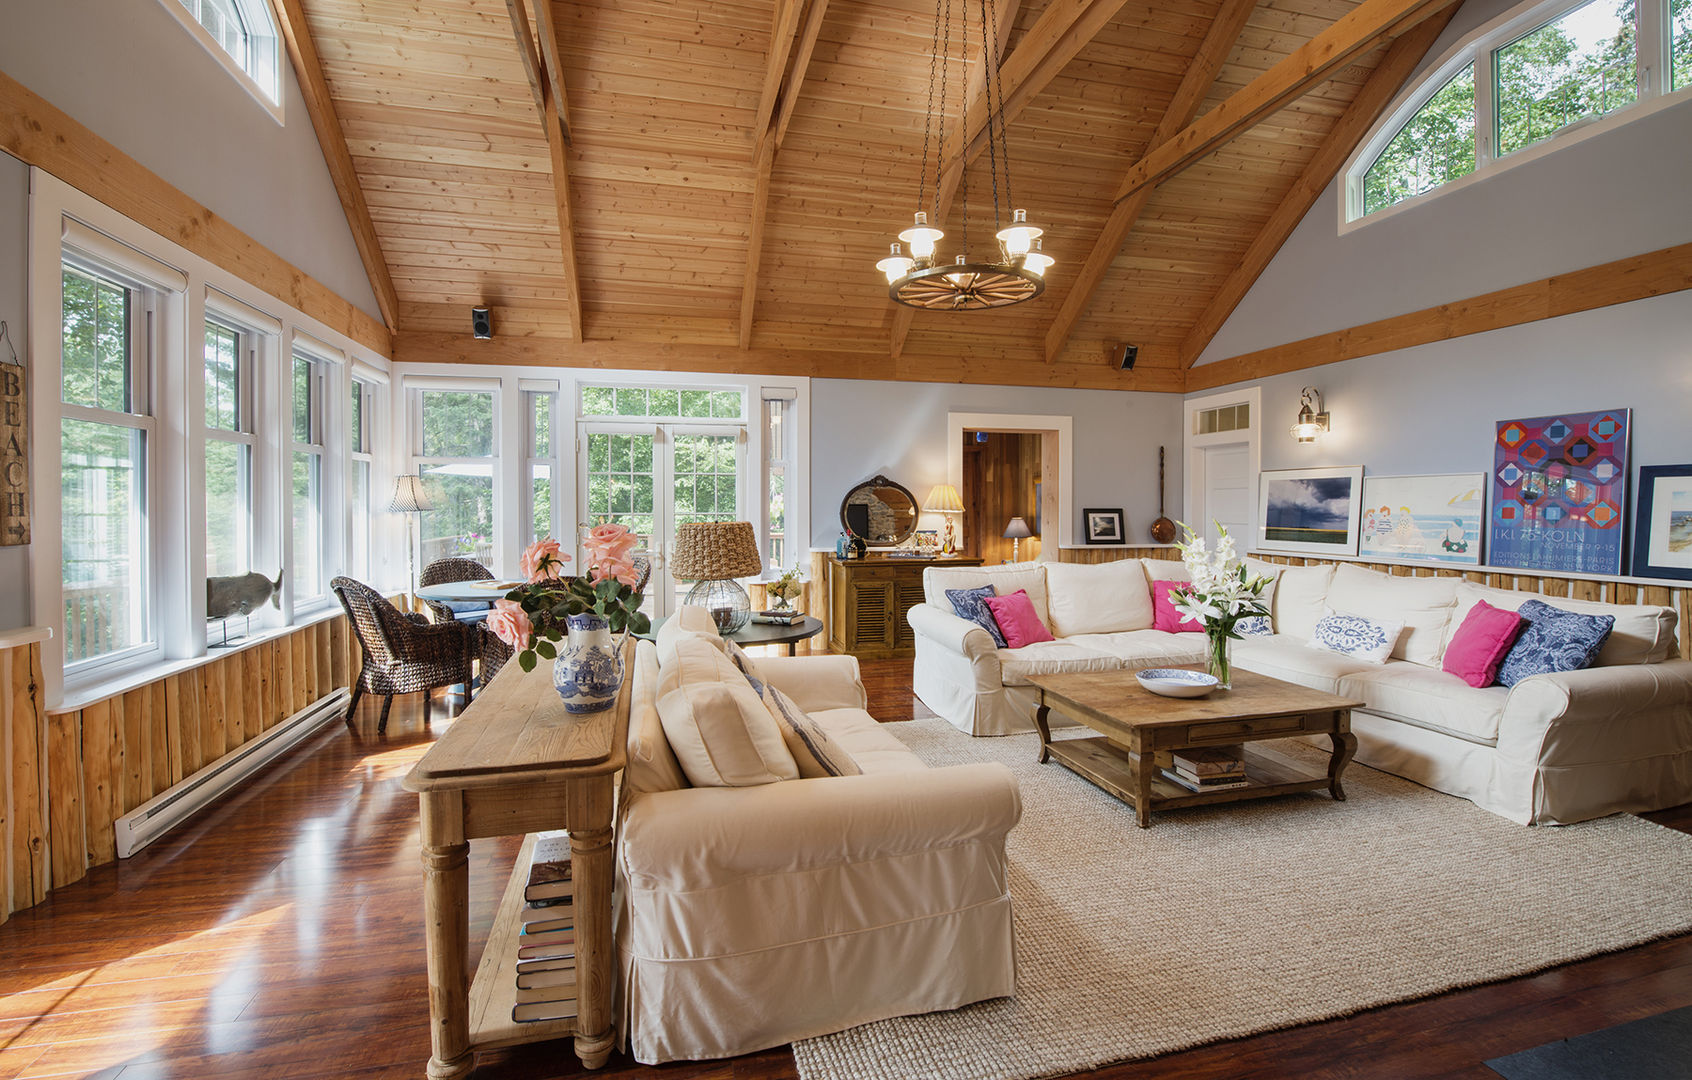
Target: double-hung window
{"x":229,"y":448}
{"x":106,"y":430}
{"x":540,"y":406}
{"x":306,"y":460}
{"x":454,"y":452}
{"x":361,"y":424}
{"x":779,"y":449}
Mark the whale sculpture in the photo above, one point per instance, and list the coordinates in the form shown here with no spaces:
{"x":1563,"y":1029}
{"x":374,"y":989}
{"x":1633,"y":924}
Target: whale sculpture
{"x":241,"y":594}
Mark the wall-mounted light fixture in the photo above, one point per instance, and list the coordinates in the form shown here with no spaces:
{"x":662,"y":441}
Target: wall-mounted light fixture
{"x":1312,"y":418}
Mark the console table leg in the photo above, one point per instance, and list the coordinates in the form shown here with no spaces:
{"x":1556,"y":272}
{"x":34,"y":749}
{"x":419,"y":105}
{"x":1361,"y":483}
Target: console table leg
{"x":446,"y":904}
{"x":1345,"y":745}
{"x":588,"y":810}
{"x":1040,"y":716}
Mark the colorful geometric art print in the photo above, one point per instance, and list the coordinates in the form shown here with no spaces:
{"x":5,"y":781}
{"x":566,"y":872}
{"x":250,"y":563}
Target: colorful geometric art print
{"x":1559,"y":492}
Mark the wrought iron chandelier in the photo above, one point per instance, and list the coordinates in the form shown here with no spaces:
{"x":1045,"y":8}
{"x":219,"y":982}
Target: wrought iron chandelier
{"x":918,"y":279}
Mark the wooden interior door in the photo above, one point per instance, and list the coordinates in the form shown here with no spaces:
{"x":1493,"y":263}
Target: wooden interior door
{"x":1001,"y":480}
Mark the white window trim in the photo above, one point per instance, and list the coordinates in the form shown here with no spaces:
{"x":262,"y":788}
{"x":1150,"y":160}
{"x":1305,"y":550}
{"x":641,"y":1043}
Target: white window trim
{"x":320,"y":413}
{"x":1193,"y":444}
{"x":507,"y":446}
{"x":178,"y":403}
{"x":248,"y":346}
{"x":269,"y":97}
{"x":1477,"y":47}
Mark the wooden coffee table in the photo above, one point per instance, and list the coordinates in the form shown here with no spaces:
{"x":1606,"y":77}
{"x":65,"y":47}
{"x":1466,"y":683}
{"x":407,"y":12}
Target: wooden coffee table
{"x":1139,"y":729}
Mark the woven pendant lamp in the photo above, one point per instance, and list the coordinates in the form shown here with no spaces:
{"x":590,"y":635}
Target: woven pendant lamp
{"x":713,"y":554}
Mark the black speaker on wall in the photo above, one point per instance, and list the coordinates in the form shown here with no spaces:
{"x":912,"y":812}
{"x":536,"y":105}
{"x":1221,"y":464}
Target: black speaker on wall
{"x":1130,"y":353}
{"x":480,"y":324}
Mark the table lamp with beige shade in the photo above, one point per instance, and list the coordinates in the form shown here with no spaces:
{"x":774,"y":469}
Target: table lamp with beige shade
{"x":944,"y":500}
{"x":1016,"y":532}
{"x":410,"y":498}
{"x":712,"y":554}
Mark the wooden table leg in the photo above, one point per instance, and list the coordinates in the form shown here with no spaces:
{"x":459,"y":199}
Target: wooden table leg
{"x":1144,"y":769}
{"x":1040,"y":717}
{"x":1345,"y":745}
{"x":446,"y":921}
{"x":588,"y":806}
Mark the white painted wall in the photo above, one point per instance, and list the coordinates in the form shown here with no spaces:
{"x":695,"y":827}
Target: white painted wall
{"x":130,"y":72}
{"x":14,"y":309}
{"x":860,"y":428}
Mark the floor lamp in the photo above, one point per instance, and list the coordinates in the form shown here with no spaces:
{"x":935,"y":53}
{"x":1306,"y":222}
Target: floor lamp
{"x":410,"y":499}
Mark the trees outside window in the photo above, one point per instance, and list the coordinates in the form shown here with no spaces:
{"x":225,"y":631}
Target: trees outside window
{"x":1579,"y":66}
{"x":455,"y":456}
{"x":307,"y":478}
{"x":229,"y":443}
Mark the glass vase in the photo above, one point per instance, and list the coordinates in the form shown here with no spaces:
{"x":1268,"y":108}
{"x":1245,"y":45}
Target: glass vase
{"x":589,"y":669}
{"x":1219,"y":656}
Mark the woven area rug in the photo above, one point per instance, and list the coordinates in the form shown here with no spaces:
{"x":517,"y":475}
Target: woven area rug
{"x":1224,"y":921}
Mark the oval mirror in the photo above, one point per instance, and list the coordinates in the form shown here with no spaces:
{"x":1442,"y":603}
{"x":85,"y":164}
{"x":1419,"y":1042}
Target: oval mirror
{"x":881,"y":511}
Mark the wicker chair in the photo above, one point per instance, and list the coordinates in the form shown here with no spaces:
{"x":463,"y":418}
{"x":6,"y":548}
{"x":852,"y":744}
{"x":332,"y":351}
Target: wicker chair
{"x":644,"y":565}
{"x":442,"y":571}
{"x":402,"y":653}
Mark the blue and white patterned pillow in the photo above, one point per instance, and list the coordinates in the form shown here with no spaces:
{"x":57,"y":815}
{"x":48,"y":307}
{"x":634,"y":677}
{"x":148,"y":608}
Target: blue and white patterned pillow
{"x":1255,"y":626}
{"x":971,"y":604}
{"x":1370,"y":640}
{"x":1553,"y":639}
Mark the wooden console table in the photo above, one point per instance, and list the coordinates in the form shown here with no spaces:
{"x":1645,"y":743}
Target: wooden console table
{"x":516,"y":762}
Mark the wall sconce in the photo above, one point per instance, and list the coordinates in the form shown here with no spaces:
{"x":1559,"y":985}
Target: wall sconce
{"x":1312,"y":418}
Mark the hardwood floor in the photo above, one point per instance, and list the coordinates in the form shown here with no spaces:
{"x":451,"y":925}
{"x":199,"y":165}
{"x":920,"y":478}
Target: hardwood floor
{"x":279,"y":935}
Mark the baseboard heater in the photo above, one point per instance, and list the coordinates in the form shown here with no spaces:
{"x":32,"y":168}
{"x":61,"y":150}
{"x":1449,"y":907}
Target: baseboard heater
{"x":169,"y":808}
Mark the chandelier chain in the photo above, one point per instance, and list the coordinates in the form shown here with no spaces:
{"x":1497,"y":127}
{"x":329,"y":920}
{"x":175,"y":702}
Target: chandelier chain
{"x":945,"y":68}
{"x":989,"y":62}
{"x":996,"y":109}
{"x":928,"y":120}
{"x":963,"y":133}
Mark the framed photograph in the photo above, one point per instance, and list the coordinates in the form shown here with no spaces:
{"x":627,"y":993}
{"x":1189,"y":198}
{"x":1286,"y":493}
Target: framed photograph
{"x":928,"y":541}
{"x":1437,"y":519}
{"x":1662,"y":535}
{"x":1559,"y":492}
{"x":1103,"y":526}
{"x":1310,"y":511}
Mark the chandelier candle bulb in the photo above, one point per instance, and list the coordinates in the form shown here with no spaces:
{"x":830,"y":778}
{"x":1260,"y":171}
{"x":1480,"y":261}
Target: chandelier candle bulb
{"x":921,"y":236}
{"x":896,"y":265}
{"x":1018,"y":238}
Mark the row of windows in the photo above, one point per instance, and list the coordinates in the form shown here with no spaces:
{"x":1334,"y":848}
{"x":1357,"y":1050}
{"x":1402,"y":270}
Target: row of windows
{"x":1518,"y":88}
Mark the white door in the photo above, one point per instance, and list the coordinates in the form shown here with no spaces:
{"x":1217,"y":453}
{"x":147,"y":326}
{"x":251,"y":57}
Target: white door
{"x":655,"y":477}
{"x":1225,"y":494}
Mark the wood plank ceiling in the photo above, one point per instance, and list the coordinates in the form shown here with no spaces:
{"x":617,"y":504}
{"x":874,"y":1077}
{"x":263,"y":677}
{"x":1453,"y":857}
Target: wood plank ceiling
{"x":681,"y":130}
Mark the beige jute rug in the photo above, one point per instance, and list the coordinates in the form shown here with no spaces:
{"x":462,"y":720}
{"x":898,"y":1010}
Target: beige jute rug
{"x":1219,"y":922}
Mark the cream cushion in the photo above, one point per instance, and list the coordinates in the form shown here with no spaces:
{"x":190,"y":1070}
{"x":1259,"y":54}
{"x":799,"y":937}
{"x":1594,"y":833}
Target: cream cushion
{"x":1165,"y":570}
{"x":870,"y":744}
{"x":1051,"y":658}
{"x":1428,"y":698}
{"x":690,"y":620}
{"x":1422,"y":604}
{"x":1005,"y":580}
{"x":652,"y":766}
{"x":1643,"y":634}
{"x":1097,"y":599}
{"x":1146,"y":648}
{"x":1301,"y":595}
{"x":716,"y":724}
{"x":1288,"y":658}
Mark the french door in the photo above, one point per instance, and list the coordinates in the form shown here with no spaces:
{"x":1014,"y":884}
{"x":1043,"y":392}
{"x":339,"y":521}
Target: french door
{"x":654,"y":477}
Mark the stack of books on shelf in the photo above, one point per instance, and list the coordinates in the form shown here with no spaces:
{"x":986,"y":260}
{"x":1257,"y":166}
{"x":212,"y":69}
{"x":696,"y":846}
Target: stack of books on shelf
{"x":546,"y":947}
{"x":1211,"y":768}
{"x":780,"y":618}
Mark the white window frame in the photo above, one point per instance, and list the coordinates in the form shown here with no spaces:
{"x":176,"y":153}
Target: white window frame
{"x":306,"y":597}
{"x":260,"y":72}
{"x":1477,"y":47}
{"x":148,"y":307}
{"x":532,"y":391}
{"x":244,"y":434}
{"x":778,"y":460}
{"x":361,"y":454}
{"x":504,"y":529}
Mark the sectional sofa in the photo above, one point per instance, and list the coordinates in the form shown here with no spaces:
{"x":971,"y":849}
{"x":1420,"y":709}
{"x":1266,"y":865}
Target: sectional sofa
{"x":1554,"y":749}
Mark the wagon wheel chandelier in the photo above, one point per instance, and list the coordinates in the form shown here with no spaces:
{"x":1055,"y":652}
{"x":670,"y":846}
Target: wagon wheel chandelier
{"x":918,"y":279}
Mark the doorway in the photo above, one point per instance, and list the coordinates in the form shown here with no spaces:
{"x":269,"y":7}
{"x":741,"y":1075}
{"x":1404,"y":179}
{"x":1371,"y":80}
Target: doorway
{"x":1001,"y":481}
{"x":1221,"y":443}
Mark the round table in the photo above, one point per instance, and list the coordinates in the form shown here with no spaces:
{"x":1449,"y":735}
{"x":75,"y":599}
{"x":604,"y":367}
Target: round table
{"x":468,"y":592}
{"x":757,"y":633}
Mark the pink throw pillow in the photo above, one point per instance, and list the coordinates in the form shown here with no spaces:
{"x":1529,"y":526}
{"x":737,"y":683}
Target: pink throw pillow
{"x":1164,"y":615}
{"x":1481,"y":643}
{"x":1017,"y":620}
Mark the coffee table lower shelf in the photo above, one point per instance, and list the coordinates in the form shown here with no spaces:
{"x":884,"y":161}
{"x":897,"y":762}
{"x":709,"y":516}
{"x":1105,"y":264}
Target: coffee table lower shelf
{"x":493,"y":992}
{"x":1112,"y":768}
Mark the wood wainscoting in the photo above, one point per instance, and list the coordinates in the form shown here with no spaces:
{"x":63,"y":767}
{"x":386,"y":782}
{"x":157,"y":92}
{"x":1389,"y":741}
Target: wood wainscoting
{"x":70,"y":774}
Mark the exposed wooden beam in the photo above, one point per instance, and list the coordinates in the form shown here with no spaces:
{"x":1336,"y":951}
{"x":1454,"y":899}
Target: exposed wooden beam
{"x":802,"y":61}
{"x":546,"y":80}
{"x":1063,"y":29}
{"x":1156,"y":371}
{"x":333,"y":142}
{"x":1189,"y":95}
{"x":1355,"y":123}
{"x":764,"y":148}
{"x":1639,"y":277}
{"x":34,"y":131}
{"x":1355,"y":33}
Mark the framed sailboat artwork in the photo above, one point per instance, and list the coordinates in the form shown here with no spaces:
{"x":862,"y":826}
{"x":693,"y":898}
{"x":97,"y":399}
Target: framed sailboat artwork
{"x":1435,"y":519}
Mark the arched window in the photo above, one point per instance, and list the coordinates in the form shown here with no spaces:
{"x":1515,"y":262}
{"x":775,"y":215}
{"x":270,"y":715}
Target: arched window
{"x":1545,"y":72}
{"x":241,"y":34}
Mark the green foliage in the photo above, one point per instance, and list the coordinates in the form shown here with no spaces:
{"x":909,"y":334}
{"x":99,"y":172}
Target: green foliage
{"x":302,"y":400}
{"x":95,"y":354}
{"x":222,"y":385}
{"x":1545,"y":81}
{"x":1435,"y":147}
{"x":1680,"y":45}
{"x":664,"y":404}
{"x":457,"y":424}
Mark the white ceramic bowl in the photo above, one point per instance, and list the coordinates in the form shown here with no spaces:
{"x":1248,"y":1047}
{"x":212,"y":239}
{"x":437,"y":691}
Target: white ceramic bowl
{"x":1176,"y":682}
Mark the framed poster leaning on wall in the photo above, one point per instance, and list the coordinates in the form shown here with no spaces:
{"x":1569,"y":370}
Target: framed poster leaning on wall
{"x":1438,"y":519}
{"x":1309,"y":511}
{"x":1662,"y":537}
{"x":1559,"y":492}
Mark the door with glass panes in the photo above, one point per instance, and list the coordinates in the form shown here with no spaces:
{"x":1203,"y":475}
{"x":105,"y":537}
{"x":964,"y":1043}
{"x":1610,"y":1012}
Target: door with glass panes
{"x":654,"y":477}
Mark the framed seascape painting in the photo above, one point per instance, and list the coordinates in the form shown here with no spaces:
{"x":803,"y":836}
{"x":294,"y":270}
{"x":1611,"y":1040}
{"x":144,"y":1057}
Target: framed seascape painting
{"x":1559,"y":492}
{"x":1662,"y":536}
{"x":1310,"y":511}
{"x":1436,"y":519}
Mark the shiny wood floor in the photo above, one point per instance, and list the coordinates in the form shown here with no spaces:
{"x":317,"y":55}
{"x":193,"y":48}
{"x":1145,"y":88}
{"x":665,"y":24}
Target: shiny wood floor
{"x":279,"y":935}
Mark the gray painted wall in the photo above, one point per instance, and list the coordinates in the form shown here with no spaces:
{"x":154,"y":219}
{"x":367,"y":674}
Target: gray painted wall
{"x":861,"y":428}
{"x":130,"y":72}
{"x":14,"y":309}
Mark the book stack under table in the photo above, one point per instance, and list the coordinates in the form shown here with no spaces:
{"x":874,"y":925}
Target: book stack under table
{"x":545,"y":966}
{"x":1210,"y":768}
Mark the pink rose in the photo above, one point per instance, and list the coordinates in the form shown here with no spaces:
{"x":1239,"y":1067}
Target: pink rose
{"x":543,"y":560}
{"x":510,"y":623}
{"x":623,"y":569}
{"x":609,"y":543}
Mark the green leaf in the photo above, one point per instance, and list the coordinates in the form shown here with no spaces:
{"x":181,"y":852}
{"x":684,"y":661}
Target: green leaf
{"x":639,"y":623}
{"x":526,"y":660}
{"x":546,"y":649}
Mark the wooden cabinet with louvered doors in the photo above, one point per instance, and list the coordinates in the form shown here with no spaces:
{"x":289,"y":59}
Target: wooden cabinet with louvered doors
{"x":867,"y":601}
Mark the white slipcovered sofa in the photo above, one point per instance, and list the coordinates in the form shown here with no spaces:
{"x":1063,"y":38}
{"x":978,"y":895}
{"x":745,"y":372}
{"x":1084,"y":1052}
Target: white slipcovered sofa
{"x":752,"y":916}
{"x":1553,"y":749}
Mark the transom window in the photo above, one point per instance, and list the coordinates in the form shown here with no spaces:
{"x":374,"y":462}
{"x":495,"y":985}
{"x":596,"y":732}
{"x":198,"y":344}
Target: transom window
{"x":1528,"y":79}
{"x":242,"y":35}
